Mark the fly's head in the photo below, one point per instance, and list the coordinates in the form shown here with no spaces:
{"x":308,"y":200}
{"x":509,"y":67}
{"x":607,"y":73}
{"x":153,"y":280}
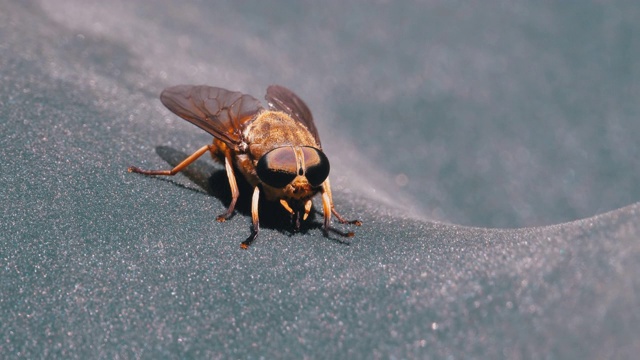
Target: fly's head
{"x":297,"y":171}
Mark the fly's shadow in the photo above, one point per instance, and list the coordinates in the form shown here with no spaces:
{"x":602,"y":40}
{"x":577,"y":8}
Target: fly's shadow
{"x":214,"y":182}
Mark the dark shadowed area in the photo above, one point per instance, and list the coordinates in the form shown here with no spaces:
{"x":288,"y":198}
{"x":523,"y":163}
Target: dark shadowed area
{"x":490,"y":149}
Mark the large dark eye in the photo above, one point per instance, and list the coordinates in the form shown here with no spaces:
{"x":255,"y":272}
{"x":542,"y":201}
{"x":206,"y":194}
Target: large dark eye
{"x":278,"y":167}
{"x":317,"y":165}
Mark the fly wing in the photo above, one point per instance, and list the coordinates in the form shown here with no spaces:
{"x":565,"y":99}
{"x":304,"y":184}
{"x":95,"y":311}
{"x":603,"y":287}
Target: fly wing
{"x":221,"y":113}
{"x":283,"y":99}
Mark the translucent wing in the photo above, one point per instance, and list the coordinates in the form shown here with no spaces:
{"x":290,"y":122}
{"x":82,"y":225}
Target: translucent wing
{"x":220,"y":112}
{"x":283,"y":99}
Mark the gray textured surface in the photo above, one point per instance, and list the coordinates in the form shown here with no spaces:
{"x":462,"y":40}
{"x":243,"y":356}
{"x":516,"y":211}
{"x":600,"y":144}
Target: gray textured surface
{"x":435,"y":115}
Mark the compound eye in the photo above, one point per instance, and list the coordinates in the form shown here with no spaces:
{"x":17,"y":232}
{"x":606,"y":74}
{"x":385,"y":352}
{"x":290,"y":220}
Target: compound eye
{"x":278,"y":167}
{"x":317,"y":165}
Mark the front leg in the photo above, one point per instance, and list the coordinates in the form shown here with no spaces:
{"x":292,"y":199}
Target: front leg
{"x":327,"y":188}
{"x":235,"y":193}
{"x":255,"y":220}
{"x":326,"y":208}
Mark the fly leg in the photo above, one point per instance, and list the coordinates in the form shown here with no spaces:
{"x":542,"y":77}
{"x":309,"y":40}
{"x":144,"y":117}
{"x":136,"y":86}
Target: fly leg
{"x":235,"y":193}
{"x":342,"y":220}
{"x":255,"y":220}
{"x":326,"y":208}
{"x":327,"y":189}
{"x":193,"y":157}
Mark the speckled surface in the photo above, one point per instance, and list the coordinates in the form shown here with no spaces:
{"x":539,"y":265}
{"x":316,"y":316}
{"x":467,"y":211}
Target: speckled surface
{"x":441,"y":128}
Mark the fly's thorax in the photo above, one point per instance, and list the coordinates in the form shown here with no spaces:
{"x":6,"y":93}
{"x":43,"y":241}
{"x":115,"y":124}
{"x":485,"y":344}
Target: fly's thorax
{"x":273,"y":129}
